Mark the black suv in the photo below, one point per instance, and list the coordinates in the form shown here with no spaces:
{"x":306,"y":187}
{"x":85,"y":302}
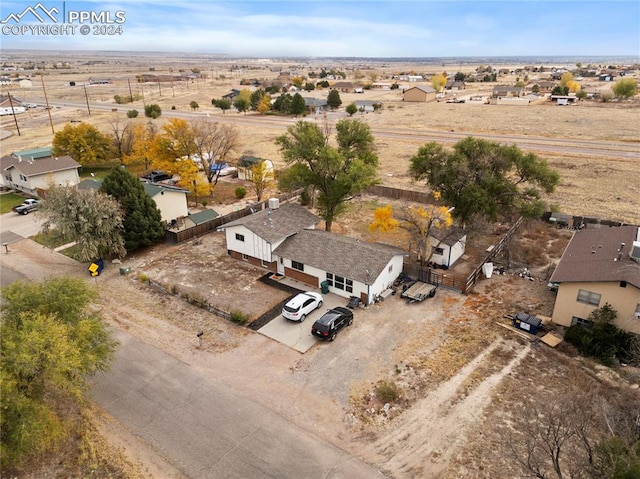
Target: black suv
{"x":331,"y":322}
{"x":157,"y":175}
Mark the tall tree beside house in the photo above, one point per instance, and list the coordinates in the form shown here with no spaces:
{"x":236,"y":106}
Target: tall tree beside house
{"x":142,"y":221}
{"x":265,"y":104}
{"x":261,"y":178}
{"x":51,"y":342}
{"x":122,"y":138}
{"x":256,"y":97}
{"x":565,"y":78}
{"x":223,"y":103}
{"x":438,"y":81}
{"x":333,"y":99}
{"x":481,"y":178}
{"x":243,"y":101}
{"x":337,"y":173}
{"x":91,"y":219}
{"x":214,"y":142}
{"x":298,"y":106}
{"x":84,"y":143}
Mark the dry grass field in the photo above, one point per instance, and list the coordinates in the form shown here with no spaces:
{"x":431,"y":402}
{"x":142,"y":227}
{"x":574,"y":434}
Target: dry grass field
{"x":594,"y":185}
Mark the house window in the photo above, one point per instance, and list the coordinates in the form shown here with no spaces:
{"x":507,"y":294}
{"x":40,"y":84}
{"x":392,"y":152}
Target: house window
{"x":348,"y":286}
{"x":23,"y":178}
{"x":296,"y":265}
{"x":239,"y":237}
{"x":588,"y":297}
{"x":340,"y":282}
{"x":330,"y":279}
{"x":245,"y":257}
{"x":439,"y":251}
{"x":585,"y":323}
{"x":390,"y":268}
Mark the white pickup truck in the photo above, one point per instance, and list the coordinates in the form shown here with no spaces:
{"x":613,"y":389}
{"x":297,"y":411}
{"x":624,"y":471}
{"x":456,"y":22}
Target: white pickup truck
{"x":28,"y":206}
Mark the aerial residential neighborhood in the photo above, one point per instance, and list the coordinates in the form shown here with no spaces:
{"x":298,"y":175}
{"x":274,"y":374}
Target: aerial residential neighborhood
{"x":310,"y":240}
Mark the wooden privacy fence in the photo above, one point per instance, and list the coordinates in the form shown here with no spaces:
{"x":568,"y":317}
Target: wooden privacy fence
{"x":212,"y":225}
{"x":400,"y":194}
{"x":472,"y":279}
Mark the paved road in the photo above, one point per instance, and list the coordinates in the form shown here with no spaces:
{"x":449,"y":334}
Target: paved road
{"x":558,"y":146}
{"x":208,"y":431}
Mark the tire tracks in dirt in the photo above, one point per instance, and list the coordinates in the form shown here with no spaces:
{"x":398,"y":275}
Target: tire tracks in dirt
{"x":426,"y":437}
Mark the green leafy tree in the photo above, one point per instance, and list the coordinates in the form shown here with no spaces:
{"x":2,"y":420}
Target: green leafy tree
{"x":336,"y":173}
{"x":223,"y":103}
{"x":351,"y":109}
{"x":132,"y":114}
{"x":625,"y":88}
{"x":459,"y":76}
{"x":242,"y":104}
{"x":485,"y":179}
{"x":194,"y":105}
{"x":283,"y":103}
{"x":84,"y":143}
{"x":91,"y":219}
{"x":51,"y":341}
{"x":560,"y":90}
{"x":298,"y":106}
{"x":333,"y":99}
{"x":152,"y":111}
{"x":256,"y":98}
{"x":142,"y":221}
{"x":309,"y":86}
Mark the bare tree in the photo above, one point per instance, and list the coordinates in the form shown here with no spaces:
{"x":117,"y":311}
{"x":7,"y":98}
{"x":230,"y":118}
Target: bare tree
{"x":214,"y":142}
{"x":122,"y":138}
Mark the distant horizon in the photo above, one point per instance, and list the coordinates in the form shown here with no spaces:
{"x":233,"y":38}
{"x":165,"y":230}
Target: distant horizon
{"x":534,"y":59}
{"x":360,"y":29}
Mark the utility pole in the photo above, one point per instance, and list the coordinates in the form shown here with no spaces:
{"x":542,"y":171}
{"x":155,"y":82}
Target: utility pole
{"x":46,"y":99}
{"x":86,"y":97}
{"x":13,"y":112}
{"x":130,"y":92}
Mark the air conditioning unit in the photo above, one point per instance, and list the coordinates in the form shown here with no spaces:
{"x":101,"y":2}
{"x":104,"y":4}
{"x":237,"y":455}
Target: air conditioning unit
{"x":274,"y":203}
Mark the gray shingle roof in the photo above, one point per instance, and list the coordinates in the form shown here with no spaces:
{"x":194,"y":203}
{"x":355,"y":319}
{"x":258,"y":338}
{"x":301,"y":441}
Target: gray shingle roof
{"x":590,"y":256}
{"x":338,"y":254}
{"x":275,"y":225}
{"x":39,"y":166}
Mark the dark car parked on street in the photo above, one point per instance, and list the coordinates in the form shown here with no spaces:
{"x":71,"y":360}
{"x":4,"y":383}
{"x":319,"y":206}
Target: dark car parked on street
{"x":328,"y":325}
{"x":156,"y":175}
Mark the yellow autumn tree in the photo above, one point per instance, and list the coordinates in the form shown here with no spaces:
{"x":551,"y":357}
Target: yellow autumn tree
{"x":140,"y":159}
{"x":262,"y":178}
{"x":566,"y":78}
{"x":438,"y":82}
{"x":265,"y":104}
{"x":573,"y":86}
{"x":420,"y":222}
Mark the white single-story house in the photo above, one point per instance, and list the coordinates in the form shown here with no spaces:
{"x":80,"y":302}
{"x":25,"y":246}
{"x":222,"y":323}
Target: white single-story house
{"x":448,"y":246}
{"x":368,"y":106}
{"x":33,"y":170}
{"x":254,"y":237}
{"x":246,"y":164}
{"x":170,"y":200}
{"x":349,"y":267}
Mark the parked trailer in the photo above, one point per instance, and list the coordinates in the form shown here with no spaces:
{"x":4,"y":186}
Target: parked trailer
{"x":419,"y":291}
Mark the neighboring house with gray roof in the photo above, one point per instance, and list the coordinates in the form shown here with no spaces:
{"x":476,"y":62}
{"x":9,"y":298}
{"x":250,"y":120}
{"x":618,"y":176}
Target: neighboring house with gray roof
{"x":254,"y":238}
{"x":170,"y":200}
{"x":349,"y":266}
{"x":33,"y":170}
{"x":600,"y":266}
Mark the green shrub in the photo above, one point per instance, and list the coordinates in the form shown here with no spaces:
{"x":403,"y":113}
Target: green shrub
{"x":241,"y":192}
{"x":239,"y":317}
{"x":387,"y":391}
{"x":132,"y":114}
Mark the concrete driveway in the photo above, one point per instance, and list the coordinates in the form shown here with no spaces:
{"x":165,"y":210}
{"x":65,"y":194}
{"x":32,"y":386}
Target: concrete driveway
{"x":297,"y":335}
{"x":14,"y":227}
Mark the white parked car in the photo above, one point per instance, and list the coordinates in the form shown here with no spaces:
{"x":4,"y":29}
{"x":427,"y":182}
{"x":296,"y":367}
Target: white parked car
{"x":298,"y":307}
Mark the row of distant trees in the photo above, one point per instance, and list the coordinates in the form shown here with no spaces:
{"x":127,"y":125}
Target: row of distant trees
{"x":260,"y":101}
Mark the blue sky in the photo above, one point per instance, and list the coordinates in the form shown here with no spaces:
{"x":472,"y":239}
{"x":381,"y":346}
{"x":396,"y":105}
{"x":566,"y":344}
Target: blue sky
{"x":352,"y":28}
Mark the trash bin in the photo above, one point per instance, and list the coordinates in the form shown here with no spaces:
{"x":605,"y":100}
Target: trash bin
{"x":125,"y":270}
{"x":324,"y":286}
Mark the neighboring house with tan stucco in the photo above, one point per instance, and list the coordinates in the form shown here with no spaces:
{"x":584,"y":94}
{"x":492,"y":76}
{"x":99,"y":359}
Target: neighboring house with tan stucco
{"x":600,"y":266}
{"x":419,"y":94}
